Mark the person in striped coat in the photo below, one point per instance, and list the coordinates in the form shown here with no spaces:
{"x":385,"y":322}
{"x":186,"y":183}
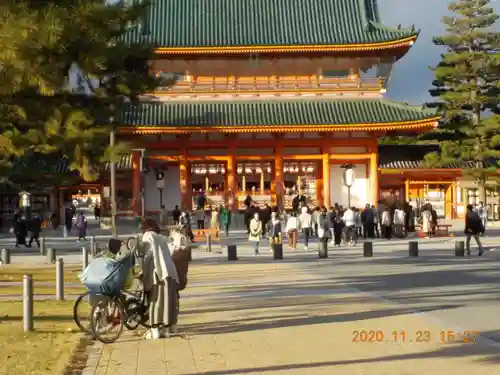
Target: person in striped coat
{"x":160,"y":280}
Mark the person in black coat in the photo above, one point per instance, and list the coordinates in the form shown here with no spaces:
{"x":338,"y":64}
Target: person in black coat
{"x":35,"y":227}
{"x":20,"y":231}
{"x":176,"y":214}
{"x":473,"y":228}
{"x":265,"y":216}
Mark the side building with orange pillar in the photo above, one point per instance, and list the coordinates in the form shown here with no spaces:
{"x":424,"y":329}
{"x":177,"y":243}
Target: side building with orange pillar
{"x":272,"y":98}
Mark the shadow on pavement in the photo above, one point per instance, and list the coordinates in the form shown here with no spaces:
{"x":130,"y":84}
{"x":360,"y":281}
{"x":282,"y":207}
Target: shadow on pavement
{"x":488,"y":354}
{"x":233,"y":326}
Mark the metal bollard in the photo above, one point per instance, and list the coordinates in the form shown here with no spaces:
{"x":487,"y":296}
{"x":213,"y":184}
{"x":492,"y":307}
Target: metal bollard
{"x":42,"y":246}
{"x":5,"y":258}
{"x":27,"y":303}
{"x":277,"y":251}
{"x":368,"y":249}
{"x":209,"y":242}
{"x":60,"y":279}
{"x":413,"y":248}
{"x":190,"y":252}
{"x":232,"y":253}
{"x":51,"y":255}
{"x":323,"y":249}
{"x":85,"y":258}
{"x":459,"y":248}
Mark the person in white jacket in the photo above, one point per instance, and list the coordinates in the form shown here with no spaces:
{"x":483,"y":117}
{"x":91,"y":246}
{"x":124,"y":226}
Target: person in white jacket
{"x":482,"y":211}
{"x":349,"y":218}
{"x":305,"y":223}
{"x":292,"y":228}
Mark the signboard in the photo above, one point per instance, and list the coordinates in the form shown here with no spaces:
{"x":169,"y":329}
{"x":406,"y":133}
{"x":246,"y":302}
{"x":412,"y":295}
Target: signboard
{"x":106,"y":192}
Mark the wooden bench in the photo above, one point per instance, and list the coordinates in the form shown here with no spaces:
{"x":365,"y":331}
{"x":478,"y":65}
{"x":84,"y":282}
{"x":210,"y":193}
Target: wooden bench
{"x":201,"y":234}
{"x":442,"y":230}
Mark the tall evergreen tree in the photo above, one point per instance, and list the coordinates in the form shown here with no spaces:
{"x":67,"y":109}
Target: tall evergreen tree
{"x":466,"y":87}
{"x":65,"y":73}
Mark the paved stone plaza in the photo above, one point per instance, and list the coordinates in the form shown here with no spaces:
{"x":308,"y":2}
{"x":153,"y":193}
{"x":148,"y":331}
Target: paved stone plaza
{"x":299,"y":316}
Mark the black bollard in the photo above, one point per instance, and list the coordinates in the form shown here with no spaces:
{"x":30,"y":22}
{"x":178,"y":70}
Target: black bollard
{"x":323,"y":249}
{"x":277,"y":251}
{"x":190,"y":252}
{"x":413,"y":248}
{"x":51,"y":255}
{"x":232,"y":253}
{"x":5,"y":258}
{"x":367,"y":249}
{"x":459,"y":248}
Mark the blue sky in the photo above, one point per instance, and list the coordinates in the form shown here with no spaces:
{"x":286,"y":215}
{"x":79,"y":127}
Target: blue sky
{"x":411,"y":77}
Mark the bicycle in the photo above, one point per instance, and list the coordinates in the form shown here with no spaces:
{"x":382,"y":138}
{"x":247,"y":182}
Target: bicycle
{"x":127,"y":309}
{"x":82,"y":319}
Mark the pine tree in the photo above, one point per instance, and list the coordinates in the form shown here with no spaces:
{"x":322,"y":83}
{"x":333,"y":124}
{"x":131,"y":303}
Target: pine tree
{"x":466,"y":87}
{"x":46,"y":44}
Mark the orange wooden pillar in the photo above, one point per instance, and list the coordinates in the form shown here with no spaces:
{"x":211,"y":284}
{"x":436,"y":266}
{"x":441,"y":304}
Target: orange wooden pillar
{"x":407,"y":190}
{"x":278,"y":176}
{"x":448,"y":208}
{"x":231,"y":187}
{"x":185,"y":181}
{"x":136,"y":183}
{"x":326,"y":179}
{"x":374,"y":178}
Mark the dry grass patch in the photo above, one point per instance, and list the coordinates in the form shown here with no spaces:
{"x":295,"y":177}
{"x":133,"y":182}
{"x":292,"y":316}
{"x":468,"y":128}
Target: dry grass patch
{"x":47,"y":350}
{"x":17,"y":290}
{"x":45,"y":273}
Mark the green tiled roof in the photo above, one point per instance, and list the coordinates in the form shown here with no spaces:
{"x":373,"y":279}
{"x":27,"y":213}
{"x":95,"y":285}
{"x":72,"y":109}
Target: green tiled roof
{"x":238,"y":23}
{"x":282,"y":112}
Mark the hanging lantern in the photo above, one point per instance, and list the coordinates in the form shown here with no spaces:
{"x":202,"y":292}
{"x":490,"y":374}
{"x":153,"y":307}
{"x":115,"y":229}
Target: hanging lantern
{"x":349,"y":175}
{"x":310,"y":169}
{"x":258,"y":170}
{"x":212,"y":170}
{"x":268,"y":169}
{"x":222,"y":170}
{"x":248,"y":170}
{"x":239,"y":170}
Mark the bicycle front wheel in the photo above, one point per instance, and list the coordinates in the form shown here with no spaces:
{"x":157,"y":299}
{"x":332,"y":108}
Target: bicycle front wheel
{"x":107,"y":320}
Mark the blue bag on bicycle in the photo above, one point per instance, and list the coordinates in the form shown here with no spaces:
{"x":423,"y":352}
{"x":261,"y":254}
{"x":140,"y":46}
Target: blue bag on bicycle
{"x":105,"y":275}
{"x":115,"y":281}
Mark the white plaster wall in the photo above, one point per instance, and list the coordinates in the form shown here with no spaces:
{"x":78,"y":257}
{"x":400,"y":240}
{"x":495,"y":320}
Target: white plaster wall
{"x":171,"y":193}
{"x":338,"y":191}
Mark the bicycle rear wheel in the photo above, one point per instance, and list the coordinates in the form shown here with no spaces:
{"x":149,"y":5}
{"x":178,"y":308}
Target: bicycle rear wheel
{"x":81,"y":313}
{"x":107,"y":320}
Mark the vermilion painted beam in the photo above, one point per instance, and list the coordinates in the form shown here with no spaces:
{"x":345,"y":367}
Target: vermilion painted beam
{"x":259,"y":143}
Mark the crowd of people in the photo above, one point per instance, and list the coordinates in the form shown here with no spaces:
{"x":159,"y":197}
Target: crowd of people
{"x":336,"y":225}
{"x":27,"y":228}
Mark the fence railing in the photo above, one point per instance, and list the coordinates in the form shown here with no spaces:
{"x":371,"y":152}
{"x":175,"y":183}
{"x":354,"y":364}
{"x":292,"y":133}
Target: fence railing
{"x":259,"y":84}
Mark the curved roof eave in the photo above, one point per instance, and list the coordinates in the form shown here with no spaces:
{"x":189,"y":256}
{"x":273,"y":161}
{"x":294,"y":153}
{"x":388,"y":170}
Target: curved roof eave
{"x":366,"y":47}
